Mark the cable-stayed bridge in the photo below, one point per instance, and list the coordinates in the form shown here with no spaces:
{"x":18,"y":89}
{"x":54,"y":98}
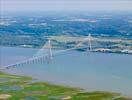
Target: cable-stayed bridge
{"x":40,"y":56}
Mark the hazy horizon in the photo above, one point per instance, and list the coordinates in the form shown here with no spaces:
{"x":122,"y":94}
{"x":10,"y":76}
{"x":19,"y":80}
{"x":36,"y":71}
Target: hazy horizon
{"x":65,"y":5}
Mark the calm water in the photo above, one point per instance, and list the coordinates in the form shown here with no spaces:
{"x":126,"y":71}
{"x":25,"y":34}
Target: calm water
{"x":93,"y":71}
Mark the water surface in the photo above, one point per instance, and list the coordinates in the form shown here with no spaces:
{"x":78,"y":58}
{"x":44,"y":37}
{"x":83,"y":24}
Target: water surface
{"x":90,"y":71}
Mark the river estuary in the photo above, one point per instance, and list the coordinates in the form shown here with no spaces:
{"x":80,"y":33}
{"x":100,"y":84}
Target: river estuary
{"x":91,"y":71}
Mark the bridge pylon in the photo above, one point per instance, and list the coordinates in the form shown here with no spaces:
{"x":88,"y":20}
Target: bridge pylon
{"x":89,"y":39}
{"x":50,"y":49}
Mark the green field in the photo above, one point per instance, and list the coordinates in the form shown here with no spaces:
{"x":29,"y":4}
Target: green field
{"x":23,"y":88}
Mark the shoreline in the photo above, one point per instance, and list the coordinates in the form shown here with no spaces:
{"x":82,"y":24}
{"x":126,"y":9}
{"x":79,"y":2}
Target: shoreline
{"x":67,"y":48}
{"x":39,"y":90}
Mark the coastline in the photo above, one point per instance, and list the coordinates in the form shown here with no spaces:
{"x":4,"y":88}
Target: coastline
{"x":21,"y":87}
{"x":67,"y":48}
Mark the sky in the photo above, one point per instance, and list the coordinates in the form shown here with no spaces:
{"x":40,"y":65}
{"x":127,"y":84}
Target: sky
{"x":65,"y":5}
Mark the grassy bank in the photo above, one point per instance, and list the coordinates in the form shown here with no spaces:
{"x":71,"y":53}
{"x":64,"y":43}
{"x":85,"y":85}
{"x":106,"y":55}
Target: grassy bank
{"x":22,"y":88}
